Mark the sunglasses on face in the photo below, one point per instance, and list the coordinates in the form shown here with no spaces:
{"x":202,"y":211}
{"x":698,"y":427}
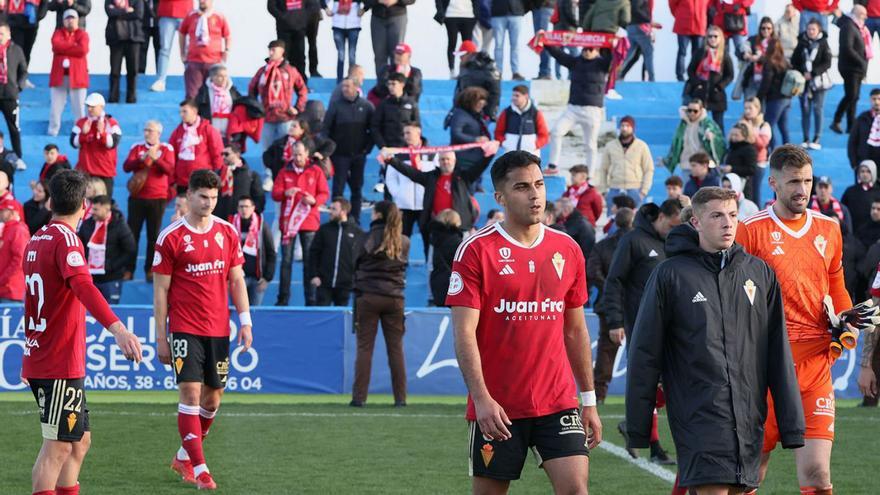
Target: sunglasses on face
{"x":693,"y":110}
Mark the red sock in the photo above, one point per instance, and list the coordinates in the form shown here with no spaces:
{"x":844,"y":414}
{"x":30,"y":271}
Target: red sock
{"x":45,"y":492}
{"x":812,"y":490}
{"x":677,"y":490}
{"x":67,"y":490}
{"x":190,"y":432}
{"x":655,"y":435}
{"x":206,"y":418}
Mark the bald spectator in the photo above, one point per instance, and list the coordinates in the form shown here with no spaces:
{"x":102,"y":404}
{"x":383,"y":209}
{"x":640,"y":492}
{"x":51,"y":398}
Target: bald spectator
{"x":69,"y":76}
{"x":205,"y":40}
{"x":275,"y":84}
{"x":197,"y":145}
{"x":97,"y":137}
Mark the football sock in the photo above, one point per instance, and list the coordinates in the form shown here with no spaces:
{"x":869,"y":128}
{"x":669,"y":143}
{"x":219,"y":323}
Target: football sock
{"x":191,"y":434}
{"x":206,"y":417}
{"x":45,"y":492}
{"x":182,"y":455}
{"x":677,"y":490}
{"x":812,"y":490}
{"x":655,"y":435}
{"x":67,"y":490}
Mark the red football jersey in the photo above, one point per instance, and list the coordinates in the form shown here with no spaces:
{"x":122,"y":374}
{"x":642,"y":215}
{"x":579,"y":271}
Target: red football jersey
{"x":199,"y":264}
{"x":522,"y":293}
{"x":55,"y":320}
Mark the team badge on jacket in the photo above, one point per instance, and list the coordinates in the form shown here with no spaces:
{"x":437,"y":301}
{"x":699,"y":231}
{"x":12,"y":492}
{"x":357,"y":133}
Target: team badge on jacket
{"x":750,"y":289}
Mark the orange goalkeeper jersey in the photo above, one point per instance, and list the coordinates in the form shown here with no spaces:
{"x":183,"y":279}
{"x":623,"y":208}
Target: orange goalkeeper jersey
{"x":806,"y":256}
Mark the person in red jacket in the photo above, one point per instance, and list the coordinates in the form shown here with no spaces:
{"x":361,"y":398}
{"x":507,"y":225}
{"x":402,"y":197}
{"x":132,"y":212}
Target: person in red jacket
{"x":171,"y":14}
{"x":70,"y":70}
{"x":301,"y":188}
{"x":582,"y":195}
{"x":819,"y":10}
{"x":152,"y":163}
{"x":97,"y":137}
{"x":205,"y":40}
{"x":691,"y":21}
{"x":13,"y":241}
{"x":197,"y":145}
{"x":275,"y":84}
{"x":732,"y":17}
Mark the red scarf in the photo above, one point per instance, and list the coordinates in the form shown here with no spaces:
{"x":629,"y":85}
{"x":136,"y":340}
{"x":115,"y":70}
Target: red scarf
{"x":710,"y":63}
{"x":98,"y":248}
{"x":489,"y":149}
{"x":296,"y":213}
{"x":4,"y":66}
{"x":574,"y":193}
{"x":835,"y":207}
{"x":221,"y":100}
{"x":567,"y":38}
{"x":253,"y":242}
{"x":227,"y":179}
{"x":287,"y":154}
{"x":759,"y":65}
{"x":343,"y":7}
{"x":16,"y":7}
{"x":294,"y":4}
{"x":121,"y":4}
{"x":274,"y":84}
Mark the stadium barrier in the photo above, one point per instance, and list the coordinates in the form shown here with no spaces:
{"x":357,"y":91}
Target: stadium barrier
{"x":301,"y":350}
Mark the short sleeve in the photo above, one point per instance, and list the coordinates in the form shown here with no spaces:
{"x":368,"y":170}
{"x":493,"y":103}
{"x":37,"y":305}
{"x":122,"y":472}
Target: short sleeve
{"x":70,"y":258}
{"x":224,"y":28}
{"x":465,"y":283}
{"x":185,"y":25}
{"x":577,"y":294}
{"x":163,"y":261}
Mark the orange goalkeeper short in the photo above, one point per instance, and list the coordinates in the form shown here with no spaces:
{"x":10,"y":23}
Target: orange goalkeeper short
{"x":812,"y":363}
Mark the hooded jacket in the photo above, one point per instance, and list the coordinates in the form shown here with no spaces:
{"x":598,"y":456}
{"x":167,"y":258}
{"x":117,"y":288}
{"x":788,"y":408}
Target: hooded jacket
{"x":691,"y":17}
{"x":445,"y":239}
{"x":122,"y":25}
{"x":333,"y":254}
{"x":391,"y":116}
{"x":480,"y":71}
{"x":714,"y":147}
{"x":857,"y":147}
{"x":801,"y":55}
{"x":851,"y":59}
{"x":638,"y":252}
{"x":717,"y":337}
{"x":290,"y":20}
{"x":73,"y":47}
{"x":599,"y":263}
{"x":858,"y":199}
{"x":747,"y":207}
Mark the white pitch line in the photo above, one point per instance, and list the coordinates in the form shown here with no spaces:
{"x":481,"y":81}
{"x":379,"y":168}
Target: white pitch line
{"x":640,"y":463}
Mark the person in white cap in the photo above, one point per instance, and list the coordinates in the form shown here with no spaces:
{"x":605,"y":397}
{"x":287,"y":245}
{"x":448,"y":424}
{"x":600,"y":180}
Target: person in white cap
{"x":97,"y":136}
{"x":69,"y":76}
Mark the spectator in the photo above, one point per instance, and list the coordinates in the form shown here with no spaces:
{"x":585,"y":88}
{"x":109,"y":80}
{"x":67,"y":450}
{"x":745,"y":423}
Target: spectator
{"x":760,"y":133}
{"x":356,"y":74}
{"x":446,"y":236}
{"x":709,"y":73}
{"x":124,"y":35}
{"x":696,"y":133}
{"x":816,"y":9}
{"x":197,"y":145}
{"x":674,"y":187}
{"x":860,"y":196}
{"x":109,"y":248}
{"x":477,"y":69}
{"x":257,"y":247}
{"x":732,"y":17}
{"x":873,"y":24}
{"x":312,"y":25}
{"x":393,"y":114}
{"x":291,"y":19}
{"x":691,"y":21}
{"x":380,"y":279}
{"x":281,"y":151}
{"x":703,"y":174}
{"x":626,"y":166}
{"x":171,"y":14}
{"x":205,"y":40}
{"x":598,"y":265}
{"x":152,"y":165}
{"x":446,"y":187}
{"x":151,"y":32}
{"x":852,"y":63}
{"x":582,"y":195}
{"x":864,"y":142}
{"x":460,"y":19}
{"x":6,"y":192}
{"x":60,"y":7}
{"x":466,"y":125}
{"x":412,"y":76}
{"x":346,"y":29}
{"x":521,"y":126}
{"x":13,"y":78}
{"x":387,"y":27}
{"x":542,"y":11}
{"x":569,"y":15}
{"x":770,"y":91}
{"x":575,"y":225}
{"x":275,"y":84}
{"x":97,"y":137}
{"x":237,"y":180}
{"x":14,"y":237}
{"x":745,"y":207}
{"x":507,"y":18}
{"x":483,"y":32}
{"x":348,"y":123}
{"x":407,"y":194}
{"x":869,"y":233}
{"x":640,"y":32}
{"x":69,"y":76}
{"x":216,"y":97}
{"x":301,"y":188}
{"x":788,"y":29}
{"x":754,"y":71}
{"x":333,"y":256}
{"x":9,"y":160}
{"x":825,"y":203}
{"x":812,"y":57}
{"x":741,"y":158}
{"x":23,"y":17}
{"x":36,"y":212}
{"x":586,"y":99}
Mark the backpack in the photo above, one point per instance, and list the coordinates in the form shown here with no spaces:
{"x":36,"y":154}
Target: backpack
{"x":793,"y":83}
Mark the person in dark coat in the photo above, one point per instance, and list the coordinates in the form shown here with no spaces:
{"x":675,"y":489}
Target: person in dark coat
{"x":151,"y":31}
{"x":477,"y":68}
{"x":218,"y":87}
{"x":466,"y":125}
{"x":859,"y":197}
{"x":852,"y":63}
{"x":290,"y":27}
{"x":36,"y":213}
{"x":869,"y":233}
{"x":16,"y":79}
{"x":333,"y":256}
{"x":446,"y":236}
{"x":709,"y":73}
{"x":279,"y":153}
{"x":776,"y":104}
{"x":685,"y":334}
{"x":124,"y":34}
{"x":393,"y":113}
{"x":257,"y":247}
{"x":238,"y":180}
{"x":576,"y":226}
{"x":412,"y":86}
{"x":742,"y":157}
{"x":109,"y":250}
{"x":812,"y":58}
{"x":24,"y":20}
{"x":858,"y":149}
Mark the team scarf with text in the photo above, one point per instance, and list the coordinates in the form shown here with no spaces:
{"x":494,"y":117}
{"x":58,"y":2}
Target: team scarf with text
{"x":252,"y":242}
{"x":568,"y":38}
{"x":98,"y":248}
{"x":489,"y":149}
{"x":711,"y":63}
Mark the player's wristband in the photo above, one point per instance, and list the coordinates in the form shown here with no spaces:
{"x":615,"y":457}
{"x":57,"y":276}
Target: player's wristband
{"x":245,"y":318}
{"x":588,"y":398}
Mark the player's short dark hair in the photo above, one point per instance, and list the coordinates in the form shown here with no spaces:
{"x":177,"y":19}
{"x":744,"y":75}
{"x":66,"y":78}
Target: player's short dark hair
{"x":670,"y":207}
{"x":50,"y":147}
{"x":204,"y":179}
{"x":701,"y":158}
{"x":624,"y":218}
{"x":579,"y":169}
{"x":789,"y":155}
{"x":246,"y":198}
{"x":510,"y":161}
{"x":521,"y":89}
{"x":343,"y":203}
{"x":189,"y":102}
{"x":67,"y":190}
{"x":706,"y":194}
{"x":102,"y":199}
{"x":674,"y":180}
{"x":623,"y":201}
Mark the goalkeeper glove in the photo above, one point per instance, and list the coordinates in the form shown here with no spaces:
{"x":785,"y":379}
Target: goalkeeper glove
{"x":846,"y":326}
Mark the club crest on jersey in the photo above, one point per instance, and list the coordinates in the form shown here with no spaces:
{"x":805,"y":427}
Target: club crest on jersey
{"x":820,"y":244}
{"x":558,"y":264}
{"x":218,"y":238}
{"x":750,"y":289}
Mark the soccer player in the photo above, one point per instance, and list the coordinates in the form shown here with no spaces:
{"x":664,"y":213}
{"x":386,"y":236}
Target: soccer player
{"x":58,"y":286}
{"x":197,"y":262}
{"x":517,"y":292}
{"x":804,"y":248}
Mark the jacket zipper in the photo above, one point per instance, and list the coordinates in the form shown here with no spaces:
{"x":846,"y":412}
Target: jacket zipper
{"x":729,"y":381}
{"x":336,"y":259}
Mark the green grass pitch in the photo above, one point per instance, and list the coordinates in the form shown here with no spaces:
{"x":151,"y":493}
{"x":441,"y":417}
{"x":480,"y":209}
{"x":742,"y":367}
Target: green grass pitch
{"x":267,"y":444}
